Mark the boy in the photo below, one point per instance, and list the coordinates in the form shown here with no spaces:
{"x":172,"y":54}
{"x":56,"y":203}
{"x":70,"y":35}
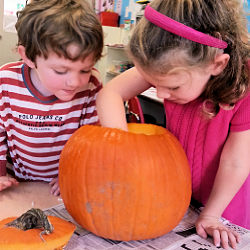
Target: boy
{"x":50,"y":93}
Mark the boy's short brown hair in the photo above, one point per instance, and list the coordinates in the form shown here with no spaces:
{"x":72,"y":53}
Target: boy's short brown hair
{"x":45,"y":25}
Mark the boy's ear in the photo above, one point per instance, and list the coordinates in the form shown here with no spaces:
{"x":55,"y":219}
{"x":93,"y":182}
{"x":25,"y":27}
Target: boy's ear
{"x":219,"y":64}
{"x":22,"y":53}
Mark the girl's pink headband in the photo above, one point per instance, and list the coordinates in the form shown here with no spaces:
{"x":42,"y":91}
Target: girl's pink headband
{"x":182,"y":30}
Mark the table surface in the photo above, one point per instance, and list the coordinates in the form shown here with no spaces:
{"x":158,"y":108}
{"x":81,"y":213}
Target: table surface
{"x":16,"y":200}
{"x":151,"y":93}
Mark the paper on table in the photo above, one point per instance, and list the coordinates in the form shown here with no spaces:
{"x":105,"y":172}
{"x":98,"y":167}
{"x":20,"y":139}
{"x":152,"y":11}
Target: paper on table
{"x":151,"y":93}
{"x":183,"y":237}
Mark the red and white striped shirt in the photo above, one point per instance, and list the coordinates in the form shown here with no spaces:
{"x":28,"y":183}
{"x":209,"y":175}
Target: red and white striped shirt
{"x":34,"y":128}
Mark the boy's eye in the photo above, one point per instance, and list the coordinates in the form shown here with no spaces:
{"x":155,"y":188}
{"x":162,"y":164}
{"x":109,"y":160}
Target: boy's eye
{"x":60,"y":72}
{"x":85,"y":71}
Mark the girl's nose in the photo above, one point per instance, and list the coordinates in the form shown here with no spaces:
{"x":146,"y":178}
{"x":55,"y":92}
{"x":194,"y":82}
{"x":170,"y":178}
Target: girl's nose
{"x":163,"y":94}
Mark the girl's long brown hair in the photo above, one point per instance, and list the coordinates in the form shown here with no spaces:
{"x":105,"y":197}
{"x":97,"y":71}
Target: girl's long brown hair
{"x":154,"y":48}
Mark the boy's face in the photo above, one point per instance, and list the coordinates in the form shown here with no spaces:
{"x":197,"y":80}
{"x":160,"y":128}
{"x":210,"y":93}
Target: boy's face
{"x":60,"y":76}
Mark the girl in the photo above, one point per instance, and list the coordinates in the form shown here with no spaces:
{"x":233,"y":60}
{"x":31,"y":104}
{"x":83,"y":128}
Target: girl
{"x":195,"y":53}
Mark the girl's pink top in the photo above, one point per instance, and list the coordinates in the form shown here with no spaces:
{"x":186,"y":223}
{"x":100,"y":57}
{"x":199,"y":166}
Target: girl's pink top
{"x":203,"y":141}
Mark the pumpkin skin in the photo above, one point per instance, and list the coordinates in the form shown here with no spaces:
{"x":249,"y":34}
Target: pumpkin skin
{"x":12,"y":238}
{"x":125,"y":185}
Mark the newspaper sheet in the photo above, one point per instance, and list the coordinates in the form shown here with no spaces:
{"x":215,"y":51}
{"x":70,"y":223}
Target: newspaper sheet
{"x":183,"y":237}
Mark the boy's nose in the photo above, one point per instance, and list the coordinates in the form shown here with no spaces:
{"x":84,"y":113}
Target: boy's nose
{"x":73,"y":82}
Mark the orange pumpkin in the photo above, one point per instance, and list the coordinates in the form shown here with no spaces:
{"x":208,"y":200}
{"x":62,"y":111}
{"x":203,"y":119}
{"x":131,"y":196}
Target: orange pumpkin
{"x":12,"y":238}
{"x":125,"y":185}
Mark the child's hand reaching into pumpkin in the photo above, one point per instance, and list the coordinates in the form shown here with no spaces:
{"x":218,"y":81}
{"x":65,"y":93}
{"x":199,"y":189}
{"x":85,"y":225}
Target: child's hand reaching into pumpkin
{"x":222,"y":235}
{"x":55,"y":190}
{"x":7,"y":181}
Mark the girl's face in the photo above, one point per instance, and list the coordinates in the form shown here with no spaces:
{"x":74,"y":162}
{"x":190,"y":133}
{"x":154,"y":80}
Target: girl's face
{"x":60,"y":76}
{"x":180,"y":85}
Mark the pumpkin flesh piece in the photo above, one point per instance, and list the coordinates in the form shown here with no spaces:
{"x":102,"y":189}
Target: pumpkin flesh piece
{"x":12,"y":238}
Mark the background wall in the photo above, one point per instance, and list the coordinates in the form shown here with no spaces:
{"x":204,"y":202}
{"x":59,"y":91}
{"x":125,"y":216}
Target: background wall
{"x":7,"y":42}
{"x":127,"y":9}
{"x":247,"y":9}
{"x":112,"y":35}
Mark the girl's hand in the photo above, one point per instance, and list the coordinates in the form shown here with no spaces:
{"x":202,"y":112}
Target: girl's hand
{"x":55,"y":190}
{"x":6,"y":181}
{"x":222,"y":235}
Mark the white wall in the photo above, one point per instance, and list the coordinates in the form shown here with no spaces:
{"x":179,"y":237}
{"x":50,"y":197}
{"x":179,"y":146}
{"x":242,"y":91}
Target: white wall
{"x":8,"y":42}
{"x":112,"y":35}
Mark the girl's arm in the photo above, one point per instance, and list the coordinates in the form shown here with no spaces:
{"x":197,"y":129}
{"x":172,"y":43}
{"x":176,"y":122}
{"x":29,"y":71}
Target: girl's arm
{"x":110,"y":100}
{"x":233,"y":170}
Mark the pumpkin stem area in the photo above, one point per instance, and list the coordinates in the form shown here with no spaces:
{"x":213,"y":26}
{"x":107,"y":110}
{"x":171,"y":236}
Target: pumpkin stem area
{"x":147,"y":129}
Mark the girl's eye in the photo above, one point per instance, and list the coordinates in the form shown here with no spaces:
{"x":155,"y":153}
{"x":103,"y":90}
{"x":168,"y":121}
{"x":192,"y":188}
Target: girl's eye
{"x":175,"y":88}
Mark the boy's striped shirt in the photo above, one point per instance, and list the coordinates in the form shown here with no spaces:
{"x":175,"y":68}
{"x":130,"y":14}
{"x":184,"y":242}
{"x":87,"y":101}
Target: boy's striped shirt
{"x":34,"y":128}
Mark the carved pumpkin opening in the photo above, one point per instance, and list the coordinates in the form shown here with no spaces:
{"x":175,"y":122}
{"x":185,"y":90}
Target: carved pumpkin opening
{"x":146,"y":129}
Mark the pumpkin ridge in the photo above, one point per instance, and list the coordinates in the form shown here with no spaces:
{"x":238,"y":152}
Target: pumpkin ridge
{"x":108,"y":188}
{"x":153,"y":161}
{"x":89,"y":206}
{"x":113,"y":213}
{"x":135,"y":215}
{"x":176,"y":160}
{"x":118,"y":188}
{"x":147,"y":220}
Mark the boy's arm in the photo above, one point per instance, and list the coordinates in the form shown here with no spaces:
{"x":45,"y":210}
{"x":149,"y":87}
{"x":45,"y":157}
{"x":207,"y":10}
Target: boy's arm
{"x":110,"y":100}
{"x":3,"y":143}
{"x":233,"y":170}
{"x":7,"y":181}
{"x":89,"y":113}
{"x":3,"y":171}
{"x":3,"y":151}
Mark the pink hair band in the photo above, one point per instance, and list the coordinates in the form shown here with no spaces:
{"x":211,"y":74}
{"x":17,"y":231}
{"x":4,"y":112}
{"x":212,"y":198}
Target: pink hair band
{"x":182,"y":30}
